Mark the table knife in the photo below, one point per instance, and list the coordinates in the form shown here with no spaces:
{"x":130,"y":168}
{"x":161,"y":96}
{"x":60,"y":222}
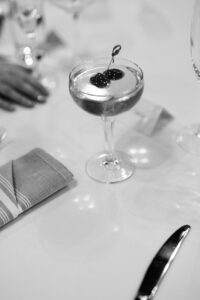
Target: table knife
{"x":160,"y":264}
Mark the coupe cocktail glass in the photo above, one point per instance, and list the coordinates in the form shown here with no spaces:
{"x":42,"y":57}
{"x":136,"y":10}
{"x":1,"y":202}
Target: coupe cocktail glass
{"x":118,"y":96}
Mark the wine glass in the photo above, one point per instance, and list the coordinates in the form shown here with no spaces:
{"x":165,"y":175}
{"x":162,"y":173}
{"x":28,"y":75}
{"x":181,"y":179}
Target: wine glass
{"x":28,"y":31}
{"x":27,"y":27}
{"x":107,"y":98}
{"x":75,"y":8}
{"x":189,"y":137}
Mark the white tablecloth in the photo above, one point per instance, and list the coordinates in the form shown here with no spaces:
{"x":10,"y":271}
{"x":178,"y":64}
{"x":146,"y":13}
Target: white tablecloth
{"x":95,"y":241}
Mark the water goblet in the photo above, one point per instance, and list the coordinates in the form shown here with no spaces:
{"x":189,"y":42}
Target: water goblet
{"x":107,"y":98}
{"x":189,"y":137}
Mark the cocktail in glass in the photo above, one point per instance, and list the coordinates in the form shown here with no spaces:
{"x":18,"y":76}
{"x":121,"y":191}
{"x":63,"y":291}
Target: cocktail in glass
{"x":91,"y":90}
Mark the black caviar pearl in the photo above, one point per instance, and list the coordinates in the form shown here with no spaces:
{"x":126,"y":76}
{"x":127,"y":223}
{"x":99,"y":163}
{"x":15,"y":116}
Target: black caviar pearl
{"x":113,"y":74}
{"x":99,"y":80}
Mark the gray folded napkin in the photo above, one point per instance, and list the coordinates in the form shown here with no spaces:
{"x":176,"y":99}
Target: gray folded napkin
{"x":28,"y":180}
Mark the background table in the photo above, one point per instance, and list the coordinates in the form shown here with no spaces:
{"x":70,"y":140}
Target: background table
{"x":95,"y":241}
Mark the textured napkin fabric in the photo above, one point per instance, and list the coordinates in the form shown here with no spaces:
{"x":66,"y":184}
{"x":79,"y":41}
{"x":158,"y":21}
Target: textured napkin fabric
{"x":28,"y":180}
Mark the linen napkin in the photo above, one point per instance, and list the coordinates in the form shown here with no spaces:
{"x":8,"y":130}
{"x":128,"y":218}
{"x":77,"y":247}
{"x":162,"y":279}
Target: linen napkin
{"x":28,"y":180}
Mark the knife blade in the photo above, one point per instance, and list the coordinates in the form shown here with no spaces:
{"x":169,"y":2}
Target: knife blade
{"x":161,"y":263}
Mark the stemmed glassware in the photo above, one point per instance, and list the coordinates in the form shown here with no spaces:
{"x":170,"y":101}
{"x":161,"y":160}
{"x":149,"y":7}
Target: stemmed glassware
{"x":107,"y":90}
{"x":28,"y":31}
{"x":75,"y":8}
{"x":27,"y":21}
{"x":189,"y":137}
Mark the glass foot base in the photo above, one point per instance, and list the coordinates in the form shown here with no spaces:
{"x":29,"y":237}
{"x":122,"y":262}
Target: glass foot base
{"x":102,"y":169}
{"x":189,"y":139}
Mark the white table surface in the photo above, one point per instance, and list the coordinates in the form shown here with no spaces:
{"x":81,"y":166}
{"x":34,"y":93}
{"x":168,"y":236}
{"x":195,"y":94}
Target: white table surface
{"x":95,"y":241}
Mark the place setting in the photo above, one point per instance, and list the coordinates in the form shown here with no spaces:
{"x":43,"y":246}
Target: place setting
{"x":99,"y":193}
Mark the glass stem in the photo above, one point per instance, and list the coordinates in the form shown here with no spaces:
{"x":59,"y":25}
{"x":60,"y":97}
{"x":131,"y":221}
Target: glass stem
{"x":75,"y":37}
{"x":30,"y":58}
{"x":108,"y":135}
{"x":36,"y":70}
{"x":197,"y":132}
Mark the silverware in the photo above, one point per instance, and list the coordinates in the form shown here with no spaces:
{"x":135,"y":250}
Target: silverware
{"x":160,"y":264}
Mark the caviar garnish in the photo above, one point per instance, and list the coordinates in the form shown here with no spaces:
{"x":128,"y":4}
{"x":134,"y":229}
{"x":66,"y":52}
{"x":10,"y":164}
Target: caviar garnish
{"x":100,"y":80}
{"x":113,"y":74}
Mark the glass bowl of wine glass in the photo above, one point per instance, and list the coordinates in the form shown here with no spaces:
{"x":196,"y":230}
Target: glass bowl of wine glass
{"x":107,"y":90}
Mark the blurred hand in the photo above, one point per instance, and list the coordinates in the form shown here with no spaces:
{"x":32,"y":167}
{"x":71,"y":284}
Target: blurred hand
{"x":19,"y":87}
